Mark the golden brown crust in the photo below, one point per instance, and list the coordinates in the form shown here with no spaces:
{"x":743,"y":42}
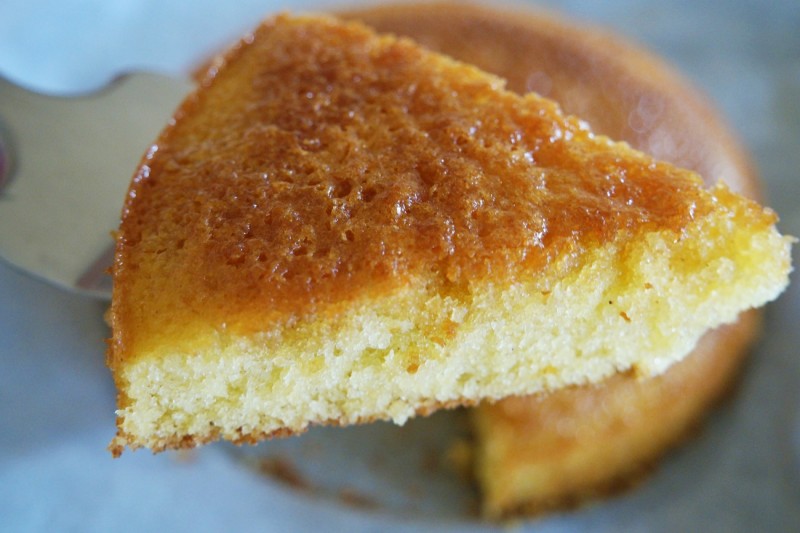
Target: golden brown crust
{"x":247,"y":213}
{"x":622,"y":90}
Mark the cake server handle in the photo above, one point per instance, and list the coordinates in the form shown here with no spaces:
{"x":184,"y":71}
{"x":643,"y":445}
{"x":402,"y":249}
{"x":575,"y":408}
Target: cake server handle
{"x":66,"y":165}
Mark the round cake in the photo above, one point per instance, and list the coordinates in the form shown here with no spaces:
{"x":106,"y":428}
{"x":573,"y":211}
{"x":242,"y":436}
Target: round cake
{"x":340,"y":225}
{"x":545,"y":452}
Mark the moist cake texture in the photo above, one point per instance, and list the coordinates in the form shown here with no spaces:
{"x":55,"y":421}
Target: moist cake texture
{"x":338,"y":227}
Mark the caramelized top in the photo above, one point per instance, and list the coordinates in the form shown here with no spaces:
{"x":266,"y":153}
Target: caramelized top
{"x":319,"y":162}
{"x":622,"y":91}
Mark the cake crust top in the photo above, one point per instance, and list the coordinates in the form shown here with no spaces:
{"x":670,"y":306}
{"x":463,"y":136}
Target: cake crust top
{"x":318,"y":162}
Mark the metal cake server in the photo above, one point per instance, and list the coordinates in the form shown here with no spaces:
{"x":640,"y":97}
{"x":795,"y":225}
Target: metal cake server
{"x":64,"y":169}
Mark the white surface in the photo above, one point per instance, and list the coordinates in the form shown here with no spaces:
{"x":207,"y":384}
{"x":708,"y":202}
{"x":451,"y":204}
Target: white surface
{"x":56,"y":398}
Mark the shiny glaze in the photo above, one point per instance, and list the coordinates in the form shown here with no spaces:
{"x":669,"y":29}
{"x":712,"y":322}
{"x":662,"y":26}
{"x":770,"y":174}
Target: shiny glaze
{"x":319,"y":163}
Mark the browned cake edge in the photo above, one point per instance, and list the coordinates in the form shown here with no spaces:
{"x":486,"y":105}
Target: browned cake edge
{"x":123,"y":440}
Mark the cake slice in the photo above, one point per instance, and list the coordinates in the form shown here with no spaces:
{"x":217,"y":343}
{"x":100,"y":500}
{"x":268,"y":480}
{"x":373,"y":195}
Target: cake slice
{"x":338,"y":227}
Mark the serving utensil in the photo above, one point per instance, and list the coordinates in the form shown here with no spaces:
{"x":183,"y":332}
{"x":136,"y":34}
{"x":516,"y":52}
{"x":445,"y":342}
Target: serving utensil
{"x":64,"y":169}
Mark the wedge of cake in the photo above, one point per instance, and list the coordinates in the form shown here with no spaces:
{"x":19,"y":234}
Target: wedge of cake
{"x":550,"y":451}
{"x":338,"y":227}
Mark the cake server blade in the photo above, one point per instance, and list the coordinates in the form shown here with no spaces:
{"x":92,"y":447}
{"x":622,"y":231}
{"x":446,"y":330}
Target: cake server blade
{"x":64,"y":170}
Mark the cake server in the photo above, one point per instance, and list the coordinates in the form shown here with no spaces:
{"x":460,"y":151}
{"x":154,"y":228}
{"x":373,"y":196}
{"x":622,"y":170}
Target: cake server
{"x":65,"y":164}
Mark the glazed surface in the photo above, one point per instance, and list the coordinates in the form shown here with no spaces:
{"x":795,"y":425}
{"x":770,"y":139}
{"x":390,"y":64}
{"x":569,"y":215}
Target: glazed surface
{"x":318,"y":162}
{"x":619,"y":89}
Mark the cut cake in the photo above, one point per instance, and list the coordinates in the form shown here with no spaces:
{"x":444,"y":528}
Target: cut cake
{"x":338,"y":227}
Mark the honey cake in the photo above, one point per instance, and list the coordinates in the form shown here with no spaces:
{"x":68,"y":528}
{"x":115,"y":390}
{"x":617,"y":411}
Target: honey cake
{"x":338,"y":227}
